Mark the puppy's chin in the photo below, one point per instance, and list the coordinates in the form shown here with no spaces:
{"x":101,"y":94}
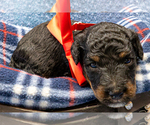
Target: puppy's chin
{"x":117,"y":105}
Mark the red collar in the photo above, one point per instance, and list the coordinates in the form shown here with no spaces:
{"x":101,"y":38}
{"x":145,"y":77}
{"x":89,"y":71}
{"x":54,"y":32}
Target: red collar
{"x":60,"y":27}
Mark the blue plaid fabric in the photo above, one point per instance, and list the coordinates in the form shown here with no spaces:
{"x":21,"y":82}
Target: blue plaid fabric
{"x":18,"y":88}
{"x":143,"y":69}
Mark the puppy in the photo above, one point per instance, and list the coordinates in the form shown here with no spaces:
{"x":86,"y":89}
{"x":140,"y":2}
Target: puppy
{"x":107,"y":52}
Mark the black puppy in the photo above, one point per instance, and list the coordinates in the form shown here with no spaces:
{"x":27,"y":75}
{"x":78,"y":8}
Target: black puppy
{"x":107,"y":52}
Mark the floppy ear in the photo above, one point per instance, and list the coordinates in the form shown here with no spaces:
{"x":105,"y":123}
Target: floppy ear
{"x":78,"y":45}
{"x":137,"y":45}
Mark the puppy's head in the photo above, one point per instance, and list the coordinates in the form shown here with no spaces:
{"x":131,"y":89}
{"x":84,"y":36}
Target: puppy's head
{"x":108,"y":54}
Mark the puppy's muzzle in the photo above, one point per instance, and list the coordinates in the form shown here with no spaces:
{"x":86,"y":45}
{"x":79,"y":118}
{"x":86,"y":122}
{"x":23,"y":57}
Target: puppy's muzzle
{"x":113,"y":95}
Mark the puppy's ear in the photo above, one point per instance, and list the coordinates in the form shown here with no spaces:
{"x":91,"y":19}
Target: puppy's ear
{"x":78,"y":45}
{"x":137,"y":45}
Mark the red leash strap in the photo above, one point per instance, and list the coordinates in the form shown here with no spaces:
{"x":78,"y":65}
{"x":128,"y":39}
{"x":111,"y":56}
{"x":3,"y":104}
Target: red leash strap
{"x":60,"y":27}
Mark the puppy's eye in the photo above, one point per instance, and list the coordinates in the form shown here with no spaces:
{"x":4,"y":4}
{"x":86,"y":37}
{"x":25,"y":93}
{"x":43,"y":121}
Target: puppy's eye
{"x":93,"y":65}
{"x":127,"y":61}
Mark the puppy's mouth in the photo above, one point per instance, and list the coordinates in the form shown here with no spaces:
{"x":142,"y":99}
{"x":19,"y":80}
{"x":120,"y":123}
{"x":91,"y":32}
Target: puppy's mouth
{"x":115,"y":98}
{"x":116,"y":101}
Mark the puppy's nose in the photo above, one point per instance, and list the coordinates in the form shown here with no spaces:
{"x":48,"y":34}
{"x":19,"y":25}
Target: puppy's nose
{"x":116,"y":96}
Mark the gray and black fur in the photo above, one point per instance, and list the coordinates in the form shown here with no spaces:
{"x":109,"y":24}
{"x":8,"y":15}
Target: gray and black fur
{"x":107,"y":52}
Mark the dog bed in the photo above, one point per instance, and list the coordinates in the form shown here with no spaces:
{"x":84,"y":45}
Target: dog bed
{"x":19,"y":88}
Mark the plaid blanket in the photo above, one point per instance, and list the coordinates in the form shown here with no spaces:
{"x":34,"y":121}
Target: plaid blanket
{"x":19,"y":88}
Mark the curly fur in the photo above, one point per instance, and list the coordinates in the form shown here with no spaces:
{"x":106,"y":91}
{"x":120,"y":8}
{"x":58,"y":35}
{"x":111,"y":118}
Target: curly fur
{"x":107,"y":52}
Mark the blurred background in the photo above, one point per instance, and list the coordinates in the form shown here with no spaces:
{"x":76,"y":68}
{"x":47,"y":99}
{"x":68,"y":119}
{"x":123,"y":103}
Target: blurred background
{"x":9,"y":6}
{"x":30,"y":13}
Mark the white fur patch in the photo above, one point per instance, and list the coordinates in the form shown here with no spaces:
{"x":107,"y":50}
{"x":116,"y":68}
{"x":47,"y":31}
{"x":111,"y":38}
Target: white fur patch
{"x":117,"y":105}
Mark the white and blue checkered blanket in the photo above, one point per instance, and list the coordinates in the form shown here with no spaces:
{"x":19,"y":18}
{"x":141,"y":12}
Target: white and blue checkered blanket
{"x":18,"y":88}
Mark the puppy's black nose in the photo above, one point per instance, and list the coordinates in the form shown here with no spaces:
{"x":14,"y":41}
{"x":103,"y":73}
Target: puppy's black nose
{"x":116,"y":96}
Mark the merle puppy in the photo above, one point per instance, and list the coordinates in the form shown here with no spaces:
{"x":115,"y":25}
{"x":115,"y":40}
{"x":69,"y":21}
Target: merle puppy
{"x":107,"y":52}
